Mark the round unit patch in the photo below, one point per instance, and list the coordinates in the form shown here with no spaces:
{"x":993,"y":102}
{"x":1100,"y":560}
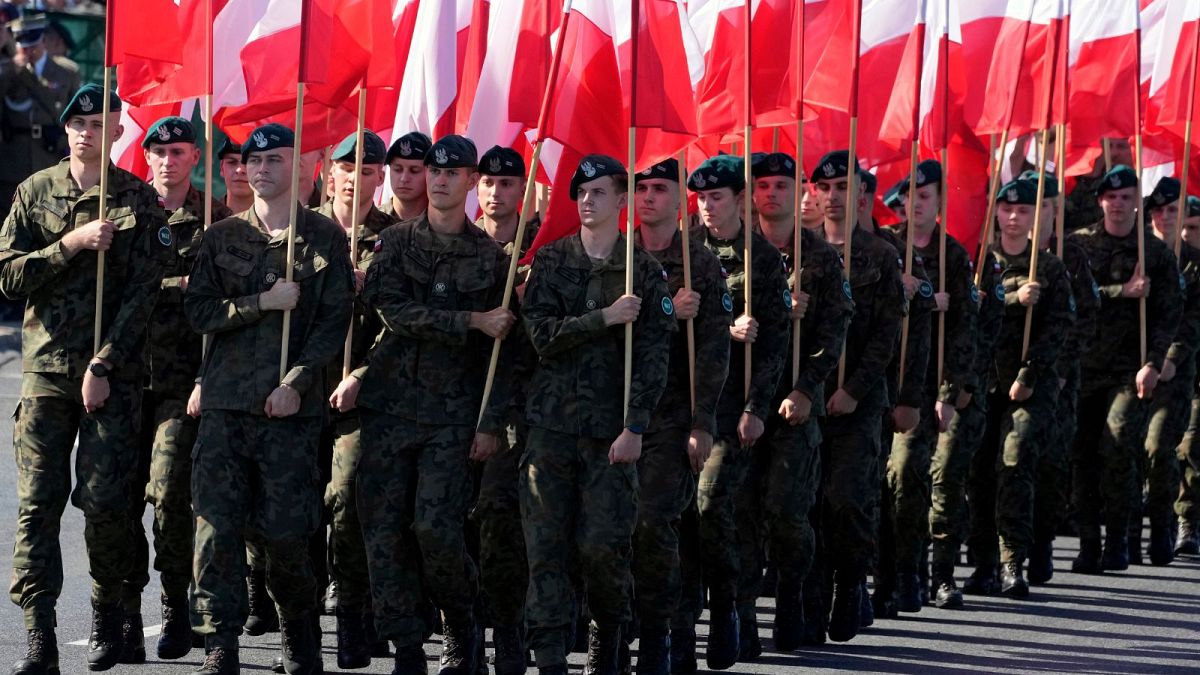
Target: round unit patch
{"x":974,"y":294}
{"x":164,"y":235}
{"x":999,"y":292}
{"x":667,"y":307}
{"x":787,"y":299}
{"x":926,"y":289}
{"x":846,"y":290}
{"x":727,"y":302}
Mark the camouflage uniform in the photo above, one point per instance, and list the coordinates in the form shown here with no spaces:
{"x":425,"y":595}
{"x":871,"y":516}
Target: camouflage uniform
{"x":1105,"y":452}
{"x":666,"y":483}
{"x":31,"y":137}
{"x":729,"y":463}
{"x":571,"y":496}
{"x":1003,"y":472}
{"x":254,"y":476}
{"x":1187,"y":505}
{"x":347,"y":554}
{"x":420,"y":402}
{"x":56,"y":348}
{"x":1082,"y":208}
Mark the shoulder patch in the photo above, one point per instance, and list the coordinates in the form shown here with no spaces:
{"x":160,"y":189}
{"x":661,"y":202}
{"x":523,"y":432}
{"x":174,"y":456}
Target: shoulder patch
{"x":787,"y":299}
{"x":1182,"y":283}
{"x":926,"y":289}
{"x":667,"y":307}
{"x":974,"y":293}
{"x":727,"y":301}
{"x":1095,"y":289}
{"x":846,"y":289}
{"x":999,"y":292}
{"x":164,"y":235}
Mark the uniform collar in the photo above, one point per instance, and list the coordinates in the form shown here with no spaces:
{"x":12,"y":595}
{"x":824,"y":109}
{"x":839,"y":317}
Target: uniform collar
{"x":258,"y":232}
{"x":466,"y":243}
{"x":64,"y":187}
{"x":614,"y":261}
{"x":672,"y":253}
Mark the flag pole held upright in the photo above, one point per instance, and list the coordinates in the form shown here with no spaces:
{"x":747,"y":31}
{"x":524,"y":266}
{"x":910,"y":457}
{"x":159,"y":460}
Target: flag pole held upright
{"x":354,"y":211}
{"x":1037,"y":232}
{"x":747,"y":223}
{"x":291,"y":231}
{"x":985,"y":235}
{"x":852,"y":168}
{"x":105,"y":108}
{"x":797,"y":235}
{"x":687,"y":272}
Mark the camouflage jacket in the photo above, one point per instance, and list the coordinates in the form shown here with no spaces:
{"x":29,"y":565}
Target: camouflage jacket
{"x":1086,"y":294}
{"x":711,"y":330}
{"x":770,"y":305}
{"x":960,"y":316}
{"x":531,"y":230}
{"x":878,"y":295}
{"x":427,"y":365}
{"x":1183,"y":349}
{"x":61,"y":293}
{"x":991,"y":297}
{"x":238,"y":260}
{"x":1053,"y":316}
{"x":366,"y":324}
{"x":1115,"y":347}
{"x":174,"y":352}
{"x":913,"y":391}
{"x":578,"y":386}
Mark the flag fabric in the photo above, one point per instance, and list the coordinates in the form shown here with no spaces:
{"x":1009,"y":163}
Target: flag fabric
{"x":129,"y":25}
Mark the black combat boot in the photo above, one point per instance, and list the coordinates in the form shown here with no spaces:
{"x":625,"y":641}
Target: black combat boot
{"x":749,"y":644}
{"x":945,"y":592}
{"x":106,"y":641}
{"x":1187,"y":538}
{"x":883,"y":599}
{"x":1160,"y":550}
{"x":509,"y":643}
{"x":410,"y":661}
{"x":604,"y":645}
{"x":908,"y":593}
{"x":220,"y":661}
{"x":843,"y":619}
{"x":1088,"y":560}
{"x":1012,"y":580}
{"x":816,"y":617}
{"x":683,"y":648}
{"x":560,"y":669}
{"x":866,"y":608}
{"x":133,"y":647}
{"x":353,"y":647}
{"x":654,"y":651}
{"x":175,"y":641}
{"x":1041,"y":561}
{"x":300,"y":644}
{"x":1116,"y":553}
{"x":1133,"y":543}
{"x":41,"y":654}
{"x":460,"y":647}
{"x":262,"y":617}
{"x":724,"y":637}
{"x":982,"y":581}
{"x":788,"y":632}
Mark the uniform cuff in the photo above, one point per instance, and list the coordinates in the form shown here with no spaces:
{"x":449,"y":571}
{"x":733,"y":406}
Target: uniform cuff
{"x":637,"y":417}
{"x":298,"y":378}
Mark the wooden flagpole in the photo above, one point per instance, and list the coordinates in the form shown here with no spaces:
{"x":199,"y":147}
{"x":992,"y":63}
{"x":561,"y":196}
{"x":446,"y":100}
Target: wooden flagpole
{"x":797,"y":227}
{"x":354,"y":210}
{"x":913,"y":160}
{"x":852,"y":167}
{"x":687,"y":272}
{"x":208,"y":136}
{"x":291,"y":231}
{"x":747,"y":214}
{"x":1034,"y":248}
{"x":1060,"y":174}
{"x":1141,"y":212}
{"x":629,"y":229}
{"x":105,"y":151}
{"x":985,"y":236}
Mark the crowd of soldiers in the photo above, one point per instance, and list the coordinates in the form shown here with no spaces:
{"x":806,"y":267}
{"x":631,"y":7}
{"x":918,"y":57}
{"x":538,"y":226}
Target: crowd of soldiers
{"x":788,"y":426}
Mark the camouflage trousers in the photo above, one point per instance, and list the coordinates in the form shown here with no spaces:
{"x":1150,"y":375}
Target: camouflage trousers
{"x":48,"y":417}
{"x":347,"y":553}
{"x":1003,"y":473}
{"x":1187,"y":506}
{"x":949,"y":520}
{"x":907,"y":489}
{"x":1159,"y":464}
{"x":716,"y":494}
{"x":503,"y":569}
{"x":414,"y":491}
{"x":253,"y":477}
{"x":572,"y":498}
{"x":666,"y":487}
{"x":1110,"y":437}
{"x":1051,"y":493}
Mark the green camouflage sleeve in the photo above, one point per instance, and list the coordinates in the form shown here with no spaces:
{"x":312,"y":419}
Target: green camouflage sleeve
{"x":651,"y":344}
{"x":204,"y":302}
{"x":961,"y":318}
{"x":991,"y":318}
{"x":24,"y":265}
{"x":711,"y":328}
{"x":1188,"y":338}
{"x":884,"y":327}
{"x":1053,"y":316}
{"x":550,"y":332}
{"x":1086,"y":294}
{"x":772,"y":303}
{"x":1164,"y":305}
{"x":389,"y":291}
{"x":920,"y":344}
{"x":825,"y":334}
{"x":513,"y":368}
{"x":326,"y":337}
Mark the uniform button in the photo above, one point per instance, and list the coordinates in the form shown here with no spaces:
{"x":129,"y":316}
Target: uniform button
{"x":591,"y":304}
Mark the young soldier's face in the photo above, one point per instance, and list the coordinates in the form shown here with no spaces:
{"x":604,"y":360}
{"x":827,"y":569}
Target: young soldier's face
{"x":1164,"y":219}
{"x":500,"y":196}
{"x":832,"y":197}
{"x":85,"y":131}
{"x":447,"y":188}
{"x":171,"y":164}
{"x":718,"y":207}
{"x":775,"y":196}
{"x":344,"y":187}
{"x":810,"y":212}
{"x":599,"y":201}
{"x":926,"y":203}
{"x":656,"y":200}
{"x":270,"y":172}
{"x":237,"y":183}
{"x":1119,"y":206}
{"x":407,"y":178}
{"x":1191,"y":231}
{"x":1016,"y":220}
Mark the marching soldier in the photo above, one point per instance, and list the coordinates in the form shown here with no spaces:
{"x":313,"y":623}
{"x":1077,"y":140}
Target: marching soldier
{"x":254,"y":466}
{"x":48,"y":256}
{"x":1081,"y":208}
{"x":238,"y":195}
{"x":406,"y":173}
{"x":1187,"y":505}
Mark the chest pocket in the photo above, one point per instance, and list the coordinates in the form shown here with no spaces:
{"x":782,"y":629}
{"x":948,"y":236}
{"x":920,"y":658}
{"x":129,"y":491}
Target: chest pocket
{"x":52,"y":215}
{"x":309,"y":265}
{"x":236,"y":274}
{"x":569,"y":285}
{"x":472,"y":281}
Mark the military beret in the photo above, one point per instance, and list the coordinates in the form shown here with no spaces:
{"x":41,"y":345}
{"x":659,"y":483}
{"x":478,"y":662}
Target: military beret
{"x":1166,"y":192}
{"x":89,"y":100}
{"x":228,"y":147}
{"x":1119,"y":178}
{"x":668,"y":169}
{"x":719,"y":171}
{"x":268,"y":137}
{"x":452,"y":152}
{"x":28,"y":30}
{"x":869,"y":181}
{"x":373,"y":148}
{"x":894,"y":197}
{"x":500,"y":161}
{"x":1049,"y":188}
{"x":169,"y":130}
{"x":592,"y":167}
{"x":1193,"y":206}
{"x":763,"y":165}
{"x":1019,"y":191}
{"x":412,"y":145}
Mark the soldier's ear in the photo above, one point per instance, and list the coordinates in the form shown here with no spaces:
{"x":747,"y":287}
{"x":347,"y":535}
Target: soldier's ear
{"x":118,"y":133}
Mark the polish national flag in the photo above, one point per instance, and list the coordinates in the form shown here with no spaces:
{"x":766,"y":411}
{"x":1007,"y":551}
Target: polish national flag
{"x":1174,"y":78}
{"x":434,"y":68}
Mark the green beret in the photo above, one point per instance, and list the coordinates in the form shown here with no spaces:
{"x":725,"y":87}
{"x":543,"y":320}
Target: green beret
{"x":1019,"y":191}
{"x":592,"y":167}
{"x":268,"y":137}
{"x":1049,"y":188}
{"x":720,"y":171}
{"x":169,"y":130}
{"x":89,"y":100}
{"x":452,"y":152}
{"x":668,"y":169}
{"x":764,"y":165}
{"x":373,"y":148}
{"x":228,"y":147}
{"x":499,"y":161}
{"x":1119,"y":178}
{"x":1166,"y":192}
{"x":1193,"y":206}
{"x":412,"y":145}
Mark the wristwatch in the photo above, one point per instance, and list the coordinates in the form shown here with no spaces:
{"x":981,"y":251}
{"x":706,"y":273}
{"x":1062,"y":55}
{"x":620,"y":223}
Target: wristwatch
{"x":98,"y":369}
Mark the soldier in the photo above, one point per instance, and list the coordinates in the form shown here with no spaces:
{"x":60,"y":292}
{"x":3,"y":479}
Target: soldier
{"x":311,"y":163}
{"x":1116,"y":380}
{"x":1081,"y":209}
{"x":238,"y":195}
{"x":578,"y":476}
{"x":1172,"y":400}
{"x":1021,"y":389}
{"x":679,"y":437}
{"x":854,"y":410}
{"x":1187,"y":505}
{"x":35,"y":88}
{"x":436,"y":283}
{"x":908,"y":464}
{"x":406,"y":169}
{"x":46,"y":256}
{"x":785,"y":468}
{"x":347,"y":553}
{"x":503,"y":569}
{"x":810,"y":212}
{"x":254,"y":466}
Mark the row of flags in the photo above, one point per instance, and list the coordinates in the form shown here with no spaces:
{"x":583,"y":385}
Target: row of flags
{"x":955,"y":75}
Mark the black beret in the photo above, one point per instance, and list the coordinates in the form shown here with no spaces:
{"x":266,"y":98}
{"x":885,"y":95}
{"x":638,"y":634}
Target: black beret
{"x":169,"y":130}
{"x":1019,"y":191}
{"x":268,"y":137}
{"x":452,"y":152}
{"x":1049,"y":188}
{"x":668,"y":169}
{"x":763,"y":165}
{"x":592,"y":167}
{"x":1119,"y":178}
{"x":1166,"y":192}
{"x":834,"y":165}
{"x":894,"y":197}
{"x":373,"y":148}
{"x":412,"y":145}
{"x":869,"y":181}
{"x":500,"y":161}
{"x":89,"y":100}
{"x":1193,"y":206}
{"x":228,"y":147}
{"x":720,"y":171}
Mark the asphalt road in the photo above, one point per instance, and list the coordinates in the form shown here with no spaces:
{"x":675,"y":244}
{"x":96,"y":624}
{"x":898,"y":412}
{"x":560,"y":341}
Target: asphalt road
{"x":1146,"y":620}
